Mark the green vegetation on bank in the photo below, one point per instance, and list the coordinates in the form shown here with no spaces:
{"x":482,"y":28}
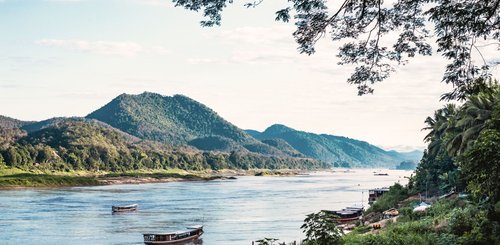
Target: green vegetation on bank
{"x":40,"y":177}
{"x":458,"y":175}
{"x":80,"y":144}
{"x":14,"y":177}
{"x":447,"y":221}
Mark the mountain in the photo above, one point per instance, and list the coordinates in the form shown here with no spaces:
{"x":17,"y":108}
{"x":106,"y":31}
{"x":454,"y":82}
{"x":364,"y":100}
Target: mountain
{"x":413,"y":156}
{"x":170,"y":119}
{"x":177,"y":120}
{"x":77,"y":143}
{"x":10,"y":123}
{"x":333,"y":149}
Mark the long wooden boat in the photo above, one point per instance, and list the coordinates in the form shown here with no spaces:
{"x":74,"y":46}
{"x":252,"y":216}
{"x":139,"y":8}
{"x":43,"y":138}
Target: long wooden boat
{"x":179,"y":237}
{"x":348,"y":214}
{"x":125,"y":208}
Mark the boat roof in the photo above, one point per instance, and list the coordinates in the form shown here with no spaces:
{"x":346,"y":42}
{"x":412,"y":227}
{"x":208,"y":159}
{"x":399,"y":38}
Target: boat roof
{"x":126,"y":206}
{"x":354,"y":208}
{"x":189,"y":229}
{"x":380,"y":189}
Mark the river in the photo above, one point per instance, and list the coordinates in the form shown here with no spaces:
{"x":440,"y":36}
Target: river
{"x":232,"y":211}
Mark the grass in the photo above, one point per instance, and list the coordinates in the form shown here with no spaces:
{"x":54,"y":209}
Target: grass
{"x":15,"y":177}
{"x":45,"y":180}
{"x":161,"y":174}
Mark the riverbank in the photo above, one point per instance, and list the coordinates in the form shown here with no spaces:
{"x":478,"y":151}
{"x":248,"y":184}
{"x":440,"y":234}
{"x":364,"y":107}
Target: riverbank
{"x":13,"y":178}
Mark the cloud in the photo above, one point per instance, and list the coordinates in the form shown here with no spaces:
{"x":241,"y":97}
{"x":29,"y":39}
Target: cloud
{"x":125,"y":48}
{"x":196,"y":61}
{"x":264,"y":57}
{"x":161,"y":3}
{"x":256,"y":35}
{"x":65,"y":1}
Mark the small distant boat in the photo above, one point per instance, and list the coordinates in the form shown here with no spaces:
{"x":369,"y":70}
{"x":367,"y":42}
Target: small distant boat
{"x":381,"y":174}
{"x":348,"y":214}
{"x":125,"y":208}
{"x":179,"y":237}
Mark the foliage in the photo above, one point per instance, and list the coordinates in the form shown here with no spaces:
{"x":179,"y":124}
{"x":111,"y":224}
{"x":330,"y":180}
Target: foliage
{"x":321,"y":229}
{"x":365,"y":29}
{"x":452,"y":159}
{"x":390,"y":199}
{"x":429,"y":172}
{"x":481,"y":165}
{"x":268,"y":241}
{"x":76,"y":144}
{"x":447,"y":221}
{"x":472,"y":226}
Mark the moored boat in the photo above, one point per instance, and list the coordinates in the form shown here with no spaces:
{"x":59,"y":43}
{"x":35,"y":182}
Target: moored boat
{"x":179,"y":237}
{"x":124,"y":208}
{"x":348,"y":214}
{"x":374,"y":194}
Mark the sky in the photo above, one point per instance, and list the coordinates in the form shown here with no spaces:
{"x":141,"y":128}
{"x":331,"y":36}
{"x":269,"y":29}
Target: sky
{"x":70,"y":57}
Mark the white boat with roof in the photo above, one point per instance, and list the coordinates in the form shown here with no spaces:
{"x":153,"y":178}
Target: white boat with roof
{"x":178,"y":237}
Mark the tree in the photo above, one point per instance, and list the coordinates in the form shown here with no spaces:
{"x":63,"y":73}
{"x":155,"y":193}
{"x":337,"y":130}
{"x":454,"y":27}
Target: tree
{"x":321,"y":229}
{"x":438,"y":126}
{"x":474,"y":115}
{"x":481,"y":165}
{"x":363,"y":28}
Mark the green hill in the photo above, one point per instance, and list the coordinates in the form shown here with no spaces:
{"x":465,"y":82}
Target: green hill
{"x":81,"y":144}
{"x":177,"y":120}
{"x":170,"y":119}
{"x":333,"y":149}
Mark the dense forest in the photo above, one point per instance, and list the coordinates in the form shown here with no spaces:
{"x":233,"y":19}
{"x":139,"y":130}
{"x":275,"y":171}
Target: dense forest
{"x":82,"y":144}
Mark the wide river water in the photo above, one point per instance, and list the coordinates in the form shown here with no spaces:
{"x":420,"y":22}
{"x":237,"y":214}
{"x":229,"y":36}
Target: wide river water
{"x":232,"y":211}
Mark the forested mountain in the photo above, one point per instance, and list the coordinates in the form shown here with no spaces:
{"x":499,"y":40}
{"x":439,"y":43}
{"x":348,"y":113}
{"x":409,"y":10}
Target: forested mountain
{"x":333,"y":149}
{"x":177,"y":120}
{"x":9,"y":123}
{"x":170,"y":119}
{"x":154,"y":131}
{"x":77,"y":143}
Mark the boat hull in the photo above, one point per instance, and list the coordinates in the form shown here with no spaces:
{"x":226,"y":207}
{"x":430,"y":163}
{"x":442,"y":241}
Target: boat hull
{"x":121,"y":209}
{"x":175,"y":237}
{"x":180,"y":241}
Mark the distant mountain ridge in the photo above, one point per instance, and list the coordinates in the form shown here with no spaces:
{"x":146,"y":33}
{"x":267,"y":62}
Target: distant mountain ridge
{"x":337,"y":150}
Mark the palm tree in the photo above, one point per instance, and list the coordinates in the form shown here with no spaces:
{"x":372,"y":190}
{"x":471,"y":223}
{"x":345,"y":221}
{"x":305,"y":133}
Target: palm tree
{"x":438,"y":126}
{"x":474,"y":116}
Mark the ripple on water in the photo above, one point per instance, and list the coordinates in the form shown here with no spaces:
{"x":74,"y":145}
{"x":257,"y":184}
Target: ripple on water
{"x":233,"y":212}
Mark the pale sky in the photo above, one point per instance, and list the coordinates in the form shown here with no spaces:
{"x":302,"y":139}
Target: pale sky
{"x":70,"y":57}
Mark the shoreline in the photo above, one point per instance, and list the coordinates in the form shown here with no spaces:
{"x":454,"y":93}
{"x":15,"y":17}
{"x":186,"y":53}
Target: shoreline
{"x":22,"y":179}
